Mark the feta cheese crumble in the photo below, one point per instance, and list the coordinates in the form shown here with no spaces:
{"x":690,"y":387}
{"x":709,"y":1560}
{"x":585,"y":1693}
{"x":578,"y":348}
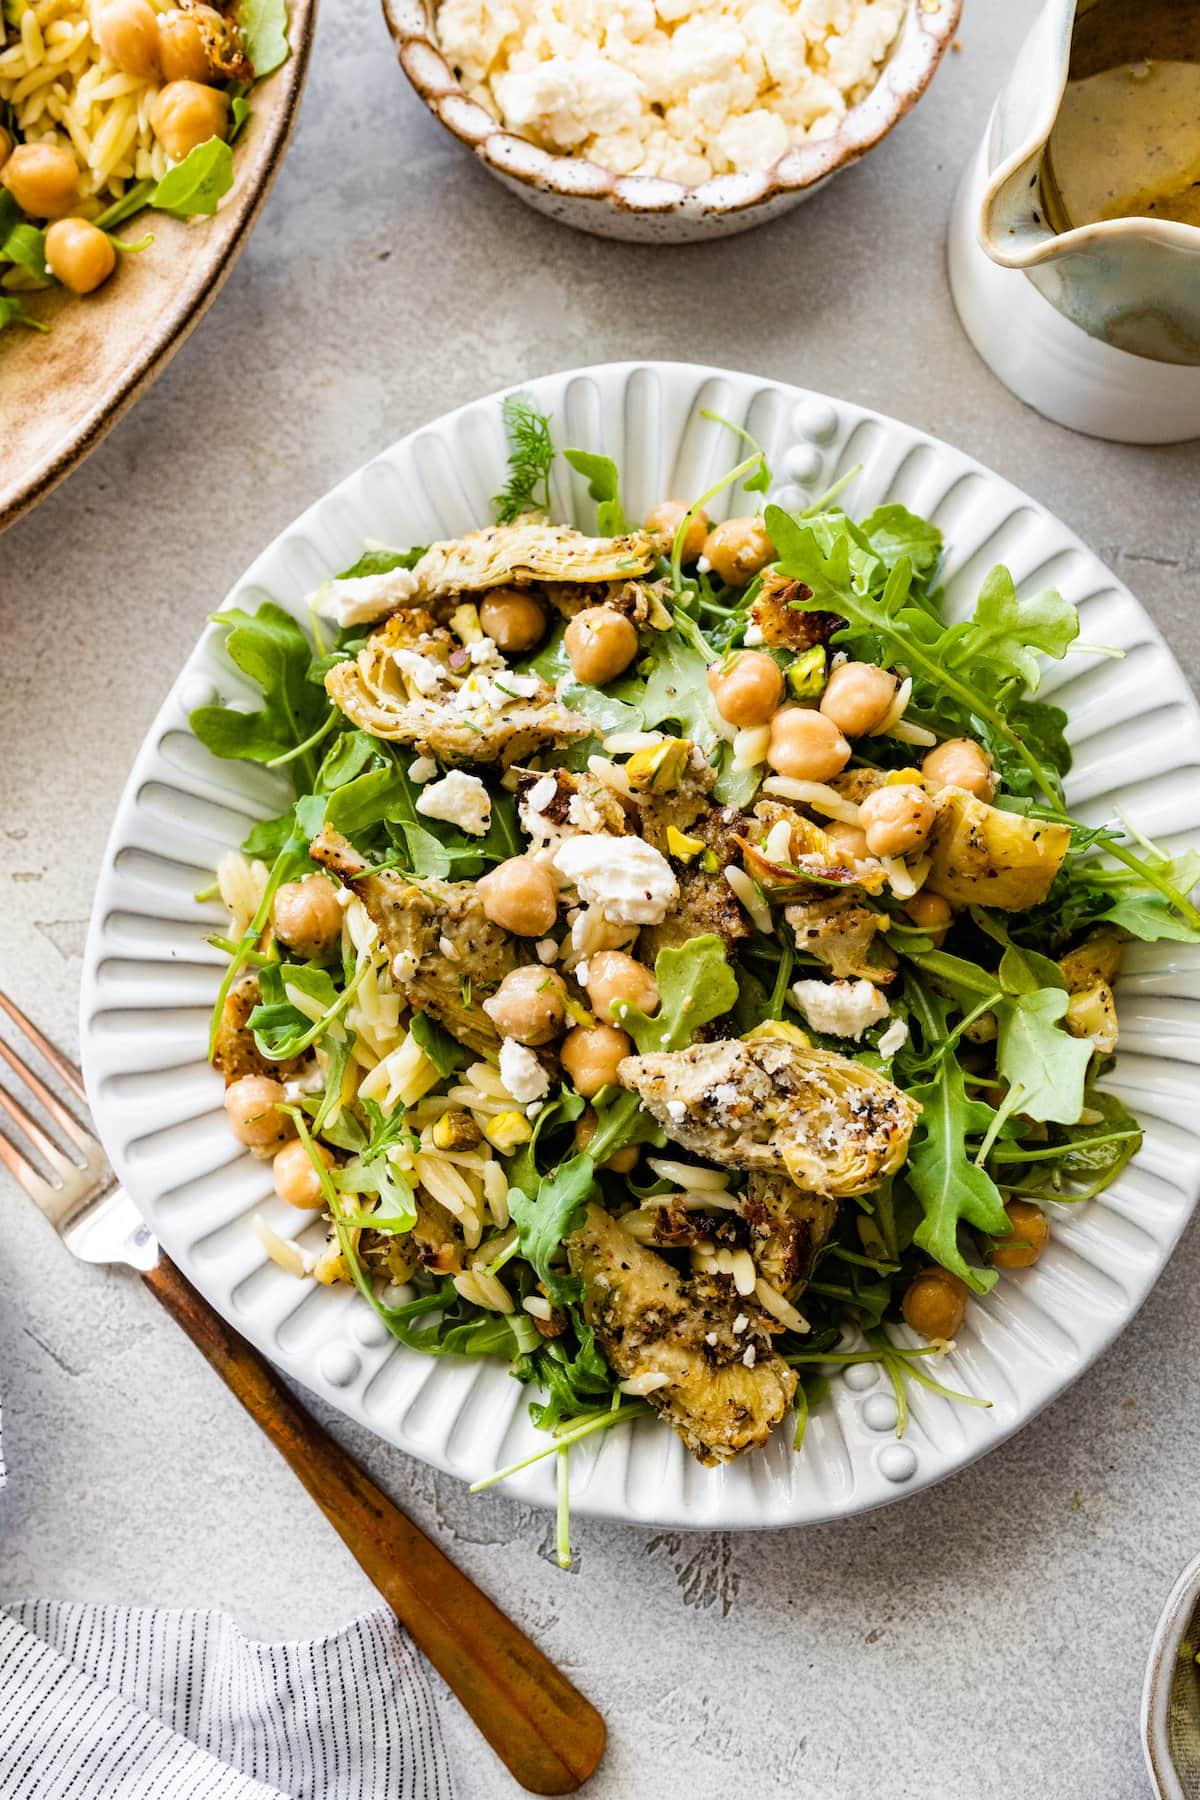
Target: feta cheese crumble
{"x":840,"y":1008}
{"x":361,"y":599}
{"x":629,"y":880}
{"x":894,"y":1038}
{"x":522,"y":1073}
{"x":458,"y":799}
{"x":681,"y":89}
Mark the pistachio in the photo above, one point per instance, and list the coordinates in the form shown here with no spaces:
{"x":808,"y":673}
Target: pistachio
{"x":806,"y":677}
{"x":660,"y":769}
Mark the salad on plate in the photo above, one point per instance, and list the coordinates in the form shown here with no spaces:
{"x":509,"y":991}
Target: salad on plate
{"x":678,"y":972}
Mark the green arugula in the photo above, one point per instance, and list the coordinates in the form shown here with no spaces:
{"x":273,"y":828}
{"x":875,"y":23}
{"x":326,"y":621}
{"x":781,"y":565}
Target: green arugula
{"x":603,"y":482}
{"x":544,"y":1220}
{"x":950,"y":1186}
{"x":25,"y":245}
{"x":195,"y":185}
{"x":895,"y":532}
{"x":271,"y":649}
{"x":530,"y":460}
{"x":443,"y":1051}
{"x":382,"y":562}
{"x":263,"y":26}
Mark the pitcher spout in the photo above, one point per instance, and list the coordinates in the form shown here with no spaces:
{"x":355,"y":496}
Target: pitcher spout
{"x":1114,"y":265}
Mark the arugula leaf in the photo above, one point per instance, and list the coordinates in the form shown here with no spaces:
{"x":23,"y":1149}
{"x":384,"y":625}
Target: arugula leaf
{"x":522,"y":1165}
{"x":378,"y":1176}
{"x":895,"y":532}
{"x":277,"y":1023}
{"x":271,"y":649}
{"x":575,"y":1380}
{"x":25,"y":246}
{"x":1006,"y":632}
{"x":196,"y":184}
{"x":603,"y":487}
{"x":388,"y":796}
{"x":695,"y":985}
{"x":530,"y":459}
{"x":1044,"y":1066}
{"x":444,"y":1052}
{"x":949,"y":1185}
{"x":545,"y":1220}
{"x":263,"y":26}
{"x":346,"y":757}
{"x":677,"y":689}
{"x":382,"y":562}
{"x":239,"y":112}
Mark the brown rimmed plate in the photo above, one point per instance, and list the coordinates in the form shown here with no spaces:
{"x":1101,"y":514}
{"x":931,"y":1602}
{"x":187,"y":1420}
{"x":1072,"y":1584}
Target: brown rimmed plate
{"x":61,"y":391}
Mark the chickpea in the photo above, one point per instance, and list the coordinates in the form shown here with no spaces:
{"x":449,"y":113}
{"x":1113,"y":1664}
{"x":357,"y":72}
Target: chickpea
{"x":621,"y":1161}
{"x":1030,"y":1235}
{"x":181,"y":49}
{"x":186,"y":114}
{"x":896,"y":819}
{"x":250,"y":1104}
{"x":43,"y":179}
{"x":931,"y":913}
{"x":611,"y":976}
{"x":601,"y":644}
{"x":935,"y":1304}
{"x":961,"y":762}
{"x":737,"y":549}
{"x":513,"y":618}
{"x":590,"y":1054}
{"x":747,"y":689}
{"x":307,"y":915}
{"x":529,"y":1004}
{"x":79,"y":255}
{"x":296,"y":1181}
{"x":664,"y":520}
{"x":127,"y":33}
{"x":856,"y":697}
{"x":848,"y":840}
{"x":806,"y":745}
{"x":6,"y":145}
{"x":520,"y":896}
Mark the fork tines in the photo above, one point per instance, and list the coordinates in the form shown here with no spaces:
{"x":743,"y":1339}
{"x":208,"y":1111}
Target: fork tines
{"x":70,"y":1175}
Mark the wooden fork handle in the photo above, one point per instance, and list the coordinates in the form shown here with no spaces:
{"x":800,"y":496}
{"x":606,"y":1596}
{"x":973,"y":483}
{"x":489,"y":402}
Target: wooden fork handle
{"x":539,"y":1725}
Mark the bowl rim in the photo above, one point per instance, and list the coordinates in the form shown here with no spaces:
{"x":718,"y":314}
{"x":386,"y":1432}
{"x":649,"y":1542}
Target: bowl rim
{"x":927,"y":30}
{"x":181,"y":316}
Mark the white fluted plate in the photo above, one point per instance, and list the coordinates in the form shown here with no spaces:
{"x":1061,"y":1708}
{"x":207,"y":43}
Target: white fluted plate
{"x":150,"y":979}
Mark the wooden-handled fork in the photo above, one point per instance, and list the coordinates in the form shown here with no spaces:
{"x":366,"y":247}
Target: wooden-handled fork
{"x":540,"y":1726}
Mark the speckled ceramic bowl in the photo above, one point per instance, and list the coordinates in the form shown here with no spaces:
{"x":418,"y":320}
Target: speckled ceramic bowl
{"x":60,"y":393}
{"x":645,"y":208}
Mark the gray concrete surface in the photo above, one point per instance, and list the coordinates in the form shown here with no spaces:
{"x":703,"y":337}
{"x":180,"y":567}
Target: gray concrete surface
{"x":983,"y":1640}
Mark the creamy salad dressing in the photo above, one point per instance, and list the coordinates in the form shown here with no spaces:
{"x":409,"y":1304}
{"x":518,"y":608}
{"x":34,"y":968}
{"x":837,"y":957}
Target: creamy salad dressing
{"x":1126,"y":143}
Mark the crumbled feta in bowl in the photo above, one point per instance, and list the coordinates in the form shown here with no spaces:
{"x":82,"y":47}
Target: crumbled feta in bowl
{"x":669,"y":120}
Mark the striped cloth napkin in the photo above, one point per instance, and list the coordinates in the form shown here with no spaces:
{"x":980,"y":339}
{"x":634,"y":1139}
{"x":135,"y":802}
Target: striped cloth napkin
{"x":130,"y":1703}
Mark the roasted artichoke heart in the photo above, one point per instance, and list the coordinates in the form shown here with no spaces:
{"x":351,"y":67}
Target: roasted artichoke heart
{"x":441,"y":944}
{"x":652,"y":1321}
{"x":982,"y":856}
{"x":373,"y":693}
{"x":836,"y":1127}
{"x":516,"y":555}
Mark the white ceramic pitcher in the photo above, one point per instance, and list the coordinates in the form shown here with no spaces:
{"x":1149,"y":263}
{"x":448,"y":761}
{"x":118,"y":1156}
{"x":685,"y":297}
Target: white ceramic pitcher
{"x":1097,"y":326}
